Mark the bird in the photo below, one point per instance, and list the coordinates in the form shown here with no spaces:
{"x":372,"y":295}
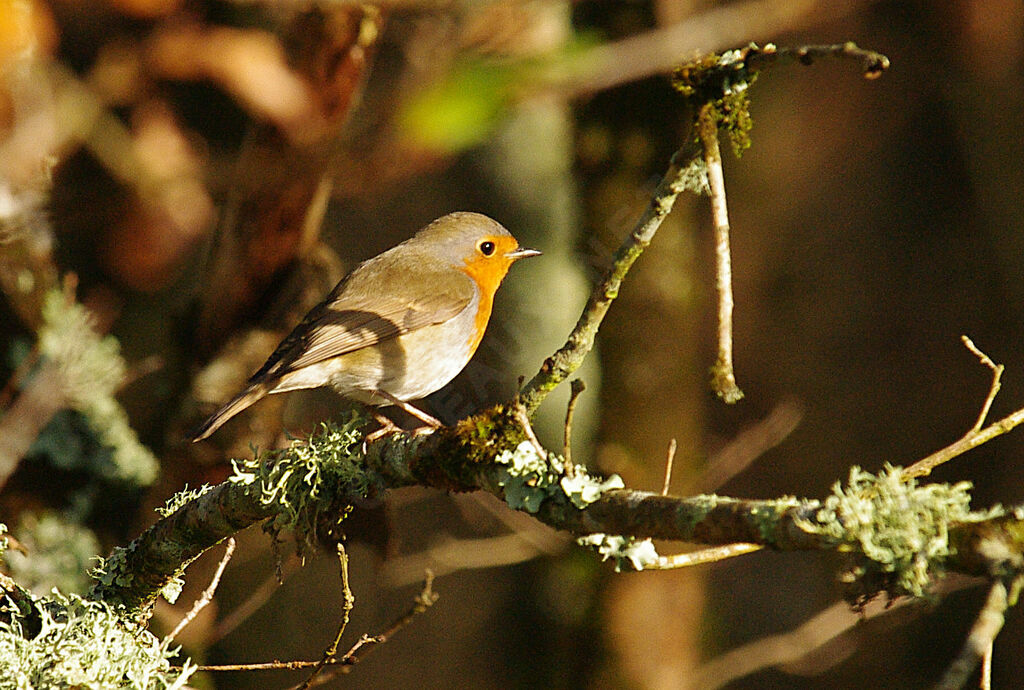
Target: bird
{"x":399,"y":326}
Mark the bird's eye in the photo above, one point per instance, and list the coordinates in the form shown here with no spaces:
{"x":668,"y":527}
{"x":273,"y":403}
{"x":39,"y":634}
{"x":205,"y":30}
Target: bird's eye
{"x":486,"y":248}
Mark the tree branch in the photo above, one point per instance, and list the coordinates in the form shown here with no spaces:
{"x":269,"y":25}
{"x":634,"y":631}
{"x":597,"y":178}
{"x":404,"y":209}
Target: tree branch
{"x":682,"y":174}
{"x":897,"y":535}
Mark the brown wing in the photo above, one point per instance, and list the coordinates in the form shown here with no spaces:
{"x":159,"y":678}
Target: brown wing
{"x":352,"y":317}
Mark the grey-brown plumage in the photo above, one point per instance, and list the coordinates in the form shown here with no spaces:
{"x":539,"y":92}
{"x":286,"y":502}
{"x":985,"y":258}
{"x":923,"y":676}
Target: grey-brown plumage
{"x":399,"y":326}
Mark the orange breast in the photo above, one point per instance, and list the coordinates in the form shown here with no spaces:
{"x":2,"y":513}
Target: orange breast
{"x":488,"y":272}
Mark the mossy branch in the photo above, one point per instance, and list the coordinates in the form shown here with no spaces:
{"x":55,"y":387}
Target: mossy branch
{"x":896,"y":535}
{"x":685,"y":172}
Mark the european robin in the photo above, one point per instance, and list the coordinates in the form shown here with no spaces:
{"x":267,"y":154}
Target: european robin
{"x":399,"y":326}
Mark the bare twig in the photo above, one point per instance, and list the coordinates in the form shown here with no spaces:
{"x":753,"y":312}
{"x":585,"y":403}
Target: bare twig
{"x":252,"y":603}
{"x":971,"y":440}
{"x":872,"y":63}
{"x":348,"y":602}
{"x":997,"y":374}
{"x":207,"y":596}
{"x":986,"y":668}
{"x":577,"y":387}
{"x":668,"y":466}
{"x":524,"y":422}
{"x":977,"y":435}
{"x":723,"y":378}
{"x":710,"y":555}
{"x":426,"y":598}
{"x":659,"y":50}
{"x":979,"y":640}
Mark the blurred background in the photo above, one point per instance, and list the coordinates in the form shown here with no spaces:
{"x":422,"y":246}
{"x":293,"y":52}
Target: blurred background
{"x":199,"y":173}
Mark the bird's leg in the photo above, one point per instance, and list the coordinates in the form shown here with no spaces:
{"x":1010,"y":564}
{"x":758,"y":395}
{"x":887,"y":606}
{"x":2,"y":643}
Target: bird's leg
{"x":411,"y":409}
{"x":386,"y":427}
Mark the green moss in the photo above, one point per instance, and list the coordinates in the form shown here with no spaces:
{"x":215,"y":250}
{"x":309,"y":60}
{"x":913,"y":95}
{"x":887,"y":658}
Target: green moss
{"x":723,"y":82}
{"x":462,"y":451}
{"x":66,"y":641}
{"x":734,"y":117}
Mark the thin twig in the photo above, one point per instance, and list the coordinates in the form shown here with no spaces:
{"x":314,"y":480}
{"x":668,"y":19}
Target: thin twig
{"x":723,"y":378}
{"x":659,"y":50}
{"x":559,"y":366}
{"x":979,"y":640}
{"x":986,"y":667}
{"x":426,"y":598}
{"x":348,"y":602}
{"x":265,"y":666}
{"x":997,"y":374}
{"x":203,"y":601}
{"x":977,"y":435}
{"x":971,"y":440}
{"x":709,"y":555}
{"x":577,"y":386}
{"x":668,"y":466}
{"x":872,"y":63}
{"x":524,"y":422}
{"x":252,"y":603}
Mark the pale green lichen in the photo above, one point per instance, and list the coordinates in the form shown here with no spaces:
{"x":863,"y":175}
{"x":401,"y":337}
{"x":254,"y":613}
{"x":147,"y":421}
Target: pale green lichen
{"x":113,"y":572}
{"x":113,"y":569}
{"x":637,"y":553}
{"x":66,"y":641}
{"x":694,"y":177}
{"x":59,"y":553}
{"x":92,"y":369}
{"x":894,"y":528}
{"x":304,"y":480}
{"x":528,"y":479}
{"x":583,"y":489}
{"x":172,"y":590}
{"x":181,"y":498}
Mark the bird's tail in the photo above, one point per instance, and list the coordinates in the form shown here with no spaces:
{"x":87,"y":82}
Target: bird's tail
{"x":229,"y":410}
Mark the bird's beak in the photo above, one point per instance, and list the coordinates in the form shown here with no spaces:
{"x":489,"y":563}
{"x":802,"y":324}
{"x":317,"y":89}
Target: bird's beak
{"x":521,"y":253}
